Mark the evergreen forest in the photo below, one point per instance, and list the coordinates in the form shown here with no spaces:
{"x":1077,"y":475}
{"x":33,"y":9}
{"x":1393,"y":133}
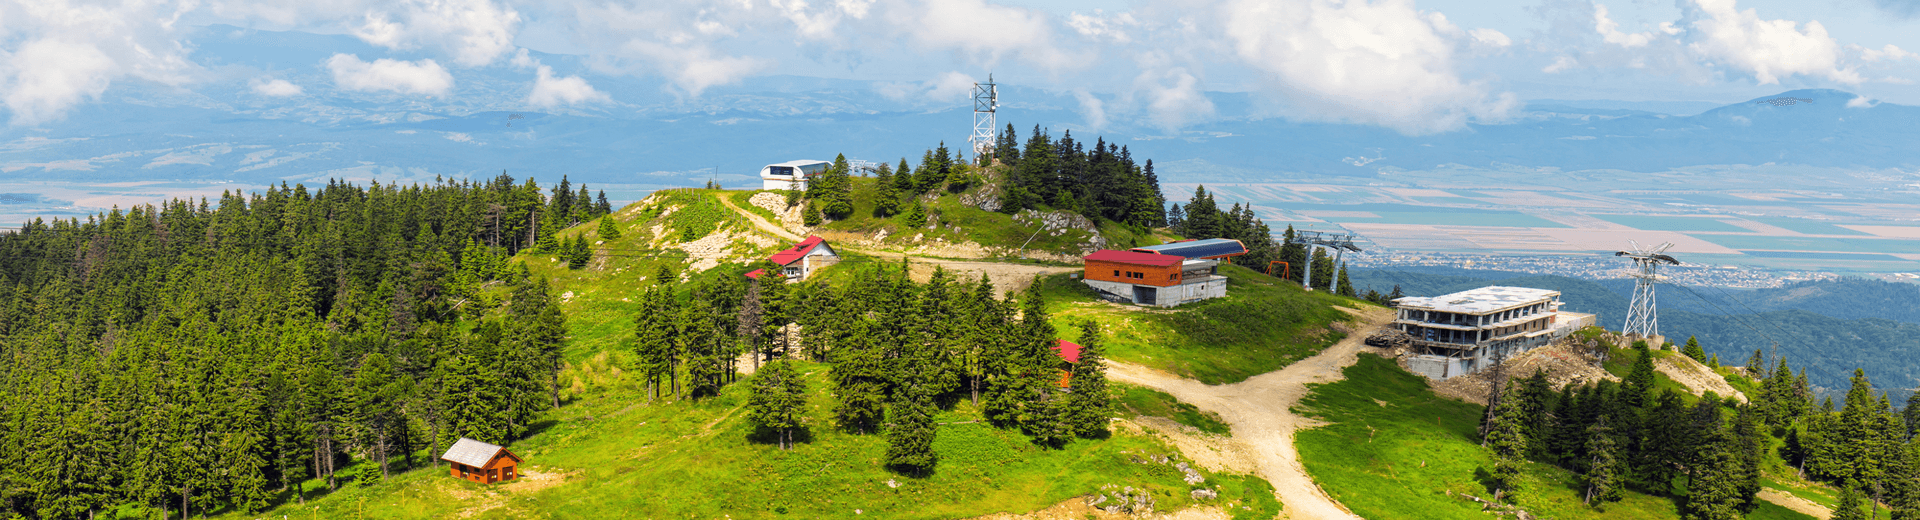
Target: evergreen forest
{"x":196,"y":356}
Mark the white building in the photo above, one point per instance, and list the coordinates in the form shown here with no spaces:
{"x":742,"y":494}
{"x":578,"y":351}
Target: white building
{"x":1465,"y":332}
{"x":790,"y":175}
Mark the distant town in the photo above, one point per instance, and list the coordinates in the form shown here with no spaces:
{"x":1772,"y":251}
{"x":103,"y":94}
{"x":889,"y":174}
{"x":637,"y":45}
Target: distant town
{"x":1595,"y":267}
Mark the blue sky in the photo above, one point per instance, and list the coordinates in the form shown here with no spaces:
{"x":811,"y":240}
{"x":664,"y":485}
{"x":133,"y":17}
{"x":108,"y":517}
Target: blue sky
{"x":1414,"y":66}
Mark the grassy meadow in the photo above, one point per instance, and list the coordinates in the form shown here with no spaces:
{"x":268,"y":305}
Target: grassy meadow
{"x":1262,"y":325}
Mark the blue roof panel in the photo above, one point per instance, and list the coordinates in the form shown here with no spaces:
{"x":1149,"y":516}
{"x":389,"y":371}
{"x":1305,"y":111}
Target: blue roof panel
{"x":1208,"y":248}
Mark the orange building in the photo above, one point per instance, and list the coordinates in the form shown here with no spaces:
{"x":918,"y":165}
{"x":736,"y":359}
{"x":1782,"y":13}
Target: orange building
{"x":1159,"y":280}
{"x":481,"y":462}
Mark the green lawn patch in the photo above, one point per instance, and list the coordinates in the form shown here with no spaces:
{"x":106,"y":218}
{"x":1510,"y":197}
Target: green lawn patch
{"x":1262,"y":325}
{"x":1394,"y":449}
{"x":1147,"y":401}
{"x":619,"y":456}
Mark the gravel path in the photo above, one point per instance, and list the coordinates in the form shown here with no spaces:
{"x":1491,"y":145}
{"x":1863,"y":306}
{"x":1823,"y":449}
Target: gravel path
{"x":1260,"y":411}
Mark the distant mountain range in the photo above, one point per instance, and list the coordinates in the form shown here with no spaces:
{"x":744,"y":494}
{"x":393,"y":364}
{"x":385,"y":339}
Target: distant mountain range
{"x":224,"y":131}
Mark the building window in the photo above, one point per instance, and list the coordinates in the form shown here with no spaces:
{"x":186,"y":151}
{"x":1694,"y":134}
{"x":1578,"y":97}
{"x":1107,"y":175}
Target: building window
{"x":1116,"y":273}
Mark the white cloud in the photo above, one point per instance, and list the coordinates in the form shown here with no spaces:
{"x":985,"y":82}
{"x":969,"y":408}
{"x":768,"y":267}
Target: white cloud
{"x":405,"y":77}
{"x":58,"y":53}
{"x":273,"y":88}
{"x":1766,"y":49}
{"x":1172,"y":96}
{"x":1610,"y":30}
{"x":472,"y":32}
{"x":1099,"y":27}
{"x":983,"y":32}
{"x":549,"y":91}
{"x":1489,"y":37}
{"x":1560,"y":63}
{"x":1860,"y":102}
{"x":1379,"y":62}
{"x":1890,"y":52}
{"x":1092,"y":108}
{"x":947,"y":88}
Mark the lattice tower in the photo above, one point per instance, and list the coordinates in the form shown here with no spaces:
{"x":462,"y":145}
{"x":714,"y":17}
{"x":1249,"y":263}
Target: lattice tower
{"x":986,"y":100}
{"x":1643,"y":316}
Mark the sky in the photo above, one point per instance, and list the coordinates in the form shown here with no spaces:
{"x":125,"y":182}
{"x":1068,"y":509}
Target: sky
{"x":1414,"y":66}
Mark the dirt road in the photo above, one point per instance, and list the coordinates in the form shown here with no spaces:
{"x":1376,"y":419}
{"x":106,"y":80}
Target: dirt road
{"x":1259,"y":409}
{"x":1006,"y":277}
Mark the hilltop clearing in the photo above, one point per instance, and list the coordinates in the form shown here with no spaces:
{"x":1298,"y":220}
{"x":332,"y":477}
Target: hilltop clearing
{"x":1262,"y":325}
{"x":1259,"y":410}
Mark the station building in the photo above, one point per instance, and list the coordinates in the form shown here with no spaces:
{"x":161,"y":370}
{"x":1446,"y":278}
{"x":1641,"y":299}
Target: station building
{"x":1467,"y":331}
{"x":791,"y":175}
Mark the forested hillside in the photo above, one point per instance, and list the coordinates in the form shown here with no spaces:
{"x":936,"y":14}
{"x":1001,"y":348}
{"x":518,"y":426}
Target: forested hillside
{"x":1829,"y":347}
{"x":205,"y":355}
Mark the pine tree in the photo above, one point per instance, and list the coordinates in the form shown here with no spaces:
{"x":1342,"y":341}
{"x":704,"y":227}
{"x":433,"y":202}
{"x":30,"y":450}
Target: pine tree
{"x":915,"y":217}
{"x":1177,"y":220}
{"x":1714,"y":491}
{"x":1639,"y":381}
{"x":580,"y":253}
{"x":1851,"y":502}
{"x":778,"y":401}
{"x":1091,"y":406}
{"x":911,"y":434}
{"x":1694,"y":351}
{"x":1604,"y":469}
{"x":1507,"y":438}
{"x":813,"y":216}
{"x":609,"y":231}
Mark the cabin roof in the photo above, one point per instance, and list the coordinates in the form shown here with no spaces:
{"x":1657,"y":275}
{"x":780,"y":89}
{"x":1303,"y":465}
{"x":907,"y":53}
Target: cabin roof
{"x":1134,"y":257}
{"x":798,"y":251}
{"x":1208,"y":248}
{"x":473,"y":453}
{"x":1067,"y":350}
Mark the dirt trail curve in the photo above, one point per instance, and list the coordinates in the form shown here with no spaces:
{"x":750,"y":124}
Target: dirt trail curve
{"x":1006,"y":277}
{"x":1259,"y":409}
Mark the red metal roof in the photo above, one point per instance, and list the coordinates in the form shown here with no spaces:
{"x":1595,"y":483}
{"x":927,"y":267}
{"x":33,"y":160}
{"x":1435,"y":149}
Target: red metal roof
{"x":756,"y":273}
{"x":1134,"y":257}
{"x":798,"y":251}
{"x":1067,"y":350}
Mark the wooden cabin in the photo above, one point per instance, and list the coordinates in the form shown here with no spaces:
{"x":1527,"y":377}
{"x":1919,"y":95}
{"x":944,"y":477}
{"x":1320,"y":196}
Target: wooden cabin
{"x":1069,"y":354}
{"x":481,"y":462}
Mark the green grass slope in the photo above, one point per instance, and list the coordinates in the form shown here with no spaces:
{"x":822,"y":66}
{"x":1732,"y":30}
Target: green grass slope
{"x":609,"y":452}
{"x":1262,"y":325}
{"x":1394,"y":449}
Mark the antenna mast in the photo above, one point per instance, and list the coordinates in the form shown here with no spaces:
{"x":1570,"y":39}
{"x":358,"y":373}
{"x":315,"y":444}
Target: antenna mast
{"x":1642,"y":316}
{"x":986,"y":99}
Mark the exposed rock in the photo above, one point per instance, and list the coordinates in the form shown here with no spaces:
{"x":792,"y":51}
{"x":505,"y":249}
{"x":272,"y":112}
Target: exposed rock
{"x":1205,"y":494}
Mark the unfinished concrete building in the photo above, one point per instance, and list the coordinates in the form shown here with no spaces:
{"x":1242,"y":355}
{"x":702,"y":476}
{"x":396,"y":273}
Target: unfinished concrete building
{"x":1466,"y":332}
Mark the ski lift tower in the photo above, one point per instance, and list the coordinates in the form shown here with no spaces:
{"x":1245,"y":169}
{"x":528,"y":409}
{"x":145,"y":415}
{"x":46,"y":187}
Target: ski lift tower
{"x":1340,"y":243}
{"x":1642,"y":317}
{"x":986,"y":99}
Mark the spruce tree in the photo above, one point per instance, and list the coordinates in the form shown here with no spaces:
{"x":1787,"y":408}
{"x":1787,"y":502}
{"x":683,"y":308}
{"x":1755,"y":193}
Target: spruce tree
{"x":911,"y":432}
{"x":1714,"y":490}
{"x":1694,"y":351}
{"x":609,"y":231}
{"x":580,"y":253}
{"x":1604,"y":469}
{"x":1507,"y":439}
{"x":915,"y":217}
{"x":778,"y":401}
{"x":1851,"y":502}
{"x":1639,"y":382}
{"x":1091,"y":406}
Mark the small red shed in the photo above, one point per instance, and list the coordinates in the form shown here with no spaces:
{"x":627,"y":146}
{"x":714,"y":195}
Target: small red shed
{"x":481,"y":462}
{"x":1069,"y":353}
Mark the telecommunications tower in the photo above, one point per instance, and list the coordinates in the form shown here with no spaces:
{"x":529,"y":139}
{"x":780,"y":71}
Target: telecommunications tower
{"x":986,"y":99}
{"x":1642,"y":317}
